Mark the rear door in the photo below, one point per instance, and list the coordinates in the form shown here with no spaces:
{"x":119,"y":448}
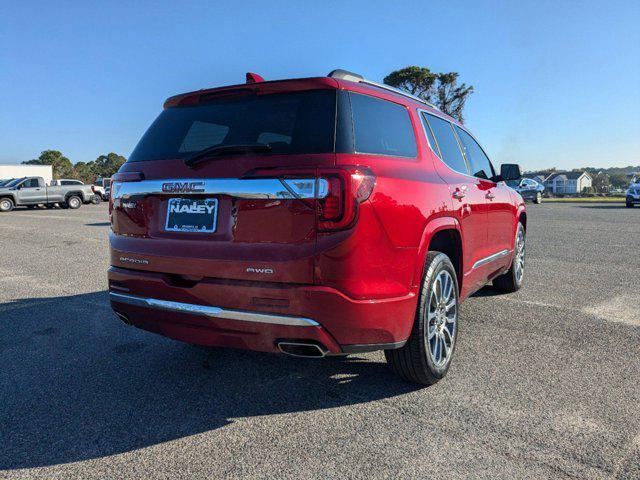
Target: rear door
{"x":500,"y":210}
{"x":468,"y":193}
{"x":247,"y":213}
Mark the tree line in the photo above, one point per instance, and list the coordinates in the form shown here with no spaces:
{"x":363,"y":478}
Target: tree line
{"x":609,"y":178}
{"x":104,"y":166}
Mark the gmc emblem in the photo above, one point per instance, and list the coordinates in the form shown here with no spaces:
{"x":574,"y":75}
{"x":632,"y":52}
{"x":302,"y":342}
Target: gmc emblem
{"x":183,"y":187}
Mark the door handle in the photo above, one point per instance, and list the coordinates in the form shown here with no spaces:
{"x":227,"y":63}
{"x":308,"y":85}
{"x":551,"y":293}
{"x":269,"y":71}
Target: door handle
{"x":490,"y":196}
{"x":460,"y":193}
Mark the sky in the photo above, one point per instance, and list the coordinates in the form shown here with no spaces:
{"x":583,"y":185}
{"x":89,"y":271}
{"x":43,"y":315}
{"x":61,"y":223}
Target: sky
{"x":557,"y":83}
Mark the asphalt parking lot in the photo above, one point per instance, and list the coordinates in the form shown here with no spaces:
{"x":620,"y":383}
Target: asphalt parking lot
{"x":545,"y":383}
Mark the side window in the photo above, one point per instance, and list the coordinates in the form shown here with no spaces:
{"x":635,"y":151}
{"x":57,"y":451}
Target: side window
{"x":432,"y":140}
{"x":450,"y":152}
{"x":478,"y":162}
{"x":32,"y":183}
{"x":381,"y":127}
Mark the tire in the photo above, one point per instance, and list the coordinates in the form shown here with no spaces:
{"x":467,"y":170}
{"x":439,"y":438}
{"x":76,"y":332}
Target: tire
{"x":629,"y":205}
{"x":538,"y":199}
{"x":96,"y":199}
{"x":423,"y":359}
{"x":73,"y":202}
{"x":512,"y":280}
{"x":6,"y":205}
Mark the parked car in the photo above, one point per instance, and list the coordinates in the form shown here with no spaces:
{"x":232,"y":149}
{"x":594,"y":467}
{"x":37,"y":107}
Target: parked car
{"x":528,"y":188}
{"x":318,"y":216}
{"x":5,"y":181}
{"x":33,"y":191}
{"x":96,"y":198}
{"x":65,"y":181}
{"x":633,"y":195}
{"x":101,"y":187}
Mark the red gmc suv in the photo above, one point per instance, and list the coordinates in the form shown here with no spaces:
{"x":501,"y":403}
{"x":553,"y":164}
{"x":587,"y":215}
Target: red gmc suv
{"x":317,"y":216}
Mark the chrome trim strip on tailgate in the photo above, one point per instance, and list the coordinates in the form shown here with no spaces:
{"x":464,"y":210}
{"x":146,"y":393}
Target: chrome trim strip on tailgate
{"x":213,"y":312}
{"x":491,"y":258}
{"x":265,"y":188}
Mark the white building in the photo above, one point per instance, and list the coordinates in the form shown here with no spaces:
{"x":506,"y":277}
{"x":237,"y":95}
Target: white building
{"x":568,"y":183}
{"x":19,"y":171}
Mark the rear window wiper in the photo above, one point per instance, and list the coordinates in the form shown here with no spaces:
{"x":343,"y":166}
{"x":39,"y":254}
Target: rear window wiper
{"x":218,"y":150}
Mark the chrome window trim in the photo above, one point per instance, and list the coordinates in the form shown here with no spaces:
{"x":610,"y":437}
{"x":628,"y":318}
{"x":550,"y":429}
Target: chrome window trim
{"x":491,"y":258}
{"x":212,"y":312}
{"x":249,"y":188}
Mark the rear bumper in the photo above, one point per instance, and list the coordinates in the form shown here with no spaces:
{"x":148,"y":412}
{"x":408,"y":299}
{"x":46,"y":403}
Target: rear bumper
{"x":255,"y":315}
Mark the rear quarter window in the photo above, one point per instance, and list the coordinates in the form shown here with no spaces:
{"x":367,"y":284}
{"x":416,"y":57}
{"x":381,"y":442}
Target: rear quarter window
{"x":381,"y":127}
{"x":449,"y":149}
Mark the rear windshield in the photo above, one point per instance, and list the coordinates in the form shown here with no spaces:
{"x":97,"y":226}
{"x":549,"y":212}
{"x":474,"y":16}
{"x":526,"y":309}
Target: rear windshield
{"x":290,"y":123}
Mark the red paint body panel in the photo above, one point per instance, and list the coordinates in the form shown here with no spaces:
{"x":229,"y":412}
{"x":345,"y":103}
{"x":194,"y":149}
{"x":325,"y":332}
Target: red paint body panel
{"x":344,"y":320}
{"x":361,"y":283}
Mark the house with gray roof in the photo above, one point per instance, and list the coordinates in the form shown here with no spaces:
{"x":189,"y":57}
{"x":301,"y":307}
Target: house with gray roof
{"x":568,"y":183}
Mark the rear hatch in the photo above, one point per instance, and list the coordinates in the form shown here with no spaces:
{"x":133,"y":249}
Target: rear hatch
{"x":228,"y":184}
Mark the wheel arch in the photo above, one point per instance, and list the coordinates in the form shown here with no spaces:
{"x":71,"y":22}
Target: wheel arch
{"x":522,"y":218}
{"x":445,"y":235}
{"x":74,"y":193}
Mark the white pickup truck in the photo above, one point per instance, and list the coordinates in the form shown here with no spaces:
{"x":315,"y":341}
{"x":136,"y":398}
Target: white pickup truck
{"x":33,"y":191}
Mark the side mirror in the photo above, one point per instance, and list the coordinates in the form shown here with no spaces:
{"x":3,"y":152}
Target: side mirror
{"x":510,"y":171}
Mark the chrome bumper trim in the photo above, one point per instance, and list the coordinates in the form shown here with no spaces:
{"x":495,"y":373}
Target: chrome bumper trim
{"x":249,"y":188}
{"x":212,"y":312}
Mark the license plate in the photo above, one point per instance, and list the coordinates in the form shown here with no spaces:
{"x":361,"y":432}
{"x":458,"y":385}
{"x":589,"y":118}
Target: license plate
{"x":189,"y":215}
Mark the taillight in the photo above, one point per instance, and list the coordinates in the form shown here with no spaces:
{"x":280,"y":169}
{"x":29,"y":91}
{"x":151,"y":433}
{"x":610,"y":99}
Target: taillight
{"x":118,"y":179}
{"x":347,"y":188}
{"x":127,"y":177}
{"x":337,"y":192}
{"x":330,"y":207}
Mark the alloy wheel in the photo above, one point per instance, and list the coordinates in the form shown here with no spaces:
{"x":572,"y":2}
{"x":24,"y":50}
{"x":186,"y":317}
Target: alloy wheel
{"x":519,"y":257}
{"x":442,"y":317}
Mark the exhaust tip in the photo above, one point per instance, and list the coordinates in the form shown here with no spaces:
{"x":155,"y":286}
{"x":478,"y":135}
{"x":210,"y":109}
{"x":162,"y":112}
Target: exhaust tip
{"x":302,"y":349}
{"x":124,"y":318}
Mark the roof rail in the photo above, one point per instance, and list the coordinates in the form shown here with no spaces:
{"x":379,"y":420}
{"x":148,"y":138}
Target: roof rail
{"x":345,"y":75}
{"x":354,"y":77}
